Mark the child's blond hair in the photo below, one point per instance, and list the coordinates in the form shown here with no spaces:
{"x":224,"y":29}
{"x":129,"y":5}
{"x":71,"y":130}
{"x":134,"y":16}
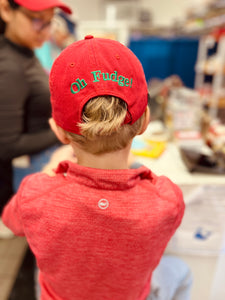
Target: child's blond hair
{"x":102,"y":129}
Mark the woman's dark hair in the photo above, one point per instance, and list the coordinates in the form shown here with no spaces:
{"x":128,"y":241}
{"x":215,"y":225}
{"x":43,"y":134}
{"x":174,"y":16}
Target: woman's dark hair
{"x":14,"y":6}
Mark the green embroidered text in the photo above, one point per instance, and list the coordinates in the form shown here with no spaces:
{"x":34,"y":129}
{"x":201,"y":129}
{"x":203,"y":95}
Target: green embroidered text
{"x":122,"y":81}
{"x":79,"y":84}
{"x":98,"y":75}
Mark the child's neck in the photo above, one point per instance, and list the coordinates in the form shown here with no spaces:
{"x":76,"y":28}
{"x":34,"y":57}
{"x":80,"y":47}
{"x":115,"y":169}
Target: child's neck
{"x":113,"y":160}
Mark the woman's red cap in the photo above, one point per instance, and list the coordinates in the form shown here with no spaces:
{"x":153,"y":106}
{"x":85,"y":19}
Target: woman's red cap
{"x":37,"y":5}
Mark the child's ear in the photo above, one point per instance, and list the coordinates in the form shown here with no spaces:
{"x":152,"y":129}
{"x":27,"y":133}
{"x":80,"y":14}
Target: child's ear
{"x":146,"y":120}
{"x":59,"y":132}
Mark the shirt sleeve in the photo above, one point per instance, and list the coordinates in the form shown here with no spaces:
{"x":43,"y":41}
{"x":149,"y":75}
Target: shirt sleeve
{"x":173,"y":197}
{"x":15,"y":95}
{"x":31,"y":143}
{"x":12,"y":216}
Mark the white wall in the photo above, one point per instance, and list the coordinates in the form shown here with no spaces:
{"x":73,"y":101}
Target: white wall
{"x":164,"y":12}
{"x":87,"y":10}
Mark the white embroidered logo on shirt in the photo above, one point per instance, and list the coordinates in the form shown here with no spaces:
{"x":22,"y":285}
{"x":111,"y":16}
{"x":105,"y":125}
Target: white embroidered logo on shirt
{"x":103,"y":203}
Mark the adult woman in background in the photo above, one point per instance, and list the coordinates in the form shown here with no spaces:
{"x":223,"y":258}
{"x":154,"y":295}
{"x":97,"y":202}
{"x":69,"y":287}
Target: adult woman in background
{"x":24,"y":91}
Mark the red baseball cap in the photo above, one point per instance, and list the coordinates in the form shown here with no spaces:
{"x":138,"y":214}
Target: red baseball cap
{"x":95,"y":67}
{"x":37,"y":5}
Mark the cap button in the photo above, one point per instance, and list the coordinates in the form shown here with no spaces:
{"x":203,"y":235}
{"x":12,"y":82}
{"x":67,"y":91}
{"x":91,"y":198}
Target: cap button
{"x":88,"y":37}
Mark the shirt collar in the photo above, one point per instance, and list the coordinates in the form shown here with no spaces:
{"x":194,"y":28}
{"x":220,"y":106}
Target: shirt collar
{"x":103,"y":178}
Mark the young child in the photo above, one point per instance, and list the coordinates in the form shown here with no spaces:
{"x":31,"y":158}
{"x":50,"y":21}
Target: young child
{"x":97,"y":228}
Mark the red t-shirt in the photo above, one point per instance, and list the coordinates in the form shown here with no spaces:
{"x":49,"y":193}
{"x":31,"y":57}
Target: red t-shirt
{"x":96,"y":234}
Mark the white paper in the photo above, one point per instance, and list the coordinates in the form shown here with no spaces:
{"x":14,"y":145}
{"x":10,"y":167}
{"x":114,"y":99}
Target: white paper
{"x":203,"y":226}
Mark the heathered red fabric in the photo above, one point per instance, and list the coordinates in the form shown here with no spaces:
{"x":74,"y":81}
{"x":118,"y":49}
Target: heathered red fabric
{"x":96,"y":234}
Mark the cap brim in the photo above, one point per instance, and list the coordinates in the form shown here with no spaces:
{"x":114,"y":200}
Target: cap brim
{"x":37,"y":5}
